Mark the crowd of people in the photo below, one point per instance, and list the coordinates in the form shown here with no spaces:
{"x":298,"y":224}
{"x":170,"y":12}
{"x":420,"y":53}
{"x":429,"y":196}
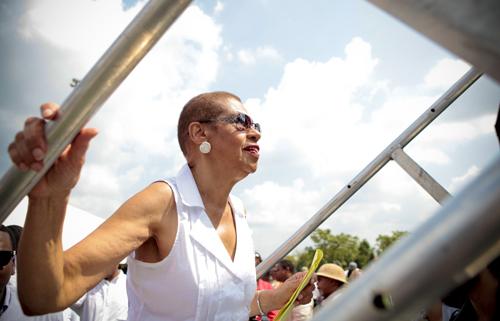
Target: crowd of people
{"x":186,"y":239}
{"x":328,"y":281}
{"x":478,"y":299}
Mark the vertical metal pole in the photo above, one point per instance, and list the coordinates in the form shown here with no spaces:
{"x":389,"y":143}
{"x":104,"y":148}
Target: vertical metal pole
{"x":452,"y":246}
{"x":106,"y":75}
{"x":371,"y":169}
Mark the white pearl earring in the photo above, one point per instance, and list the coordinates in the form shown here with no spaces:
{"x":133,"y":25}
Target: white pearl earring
{"x":205,"y":147}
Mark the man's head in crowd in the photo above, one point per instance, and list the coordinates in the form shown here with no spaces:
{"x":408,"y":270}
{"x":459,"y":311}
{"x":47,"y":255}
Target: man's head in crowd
{"x":330,"y":278}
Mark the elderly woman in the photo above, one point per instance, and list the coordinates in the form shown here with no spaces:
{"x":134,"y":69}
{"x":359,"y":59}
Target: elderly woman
{"x":188,"y":244}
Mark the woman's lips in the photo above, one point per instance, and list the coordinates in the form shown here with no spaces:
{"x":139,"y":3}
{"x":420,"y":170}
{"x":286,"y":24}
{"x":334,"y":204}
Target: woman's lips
{"x":253,"y":150}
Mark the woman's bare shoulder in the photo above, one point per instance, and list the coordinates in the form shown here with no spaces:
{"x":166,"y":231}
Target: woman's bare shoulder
{"x":159,"y":197}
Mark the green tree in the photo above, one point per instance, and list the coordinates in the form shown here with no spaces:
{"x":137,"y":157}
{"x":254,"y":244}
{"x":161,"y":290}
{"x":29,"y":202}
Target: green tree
{"x":304,"y":258}
{"x":294,"y":259}
{"x":365,"y":254}
{"x":340,"y":249}
{"x":383,"y":242}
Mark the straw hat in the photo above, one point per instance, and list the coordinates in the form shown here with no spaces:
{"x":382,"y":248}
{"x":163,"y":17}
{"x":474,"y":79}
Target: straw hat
{"x":332,"y":271}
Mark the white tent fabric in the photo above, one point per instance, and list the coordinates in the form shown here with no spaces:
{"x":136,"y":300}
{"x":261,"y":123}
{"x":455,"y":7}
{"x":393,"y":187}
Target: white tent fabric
{"x":77,"y":224}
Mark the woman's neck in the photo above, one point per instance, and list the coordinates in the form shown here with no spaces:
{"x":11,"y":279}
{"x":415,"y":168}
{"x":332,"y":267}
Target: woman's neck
{"x":214,"y":186}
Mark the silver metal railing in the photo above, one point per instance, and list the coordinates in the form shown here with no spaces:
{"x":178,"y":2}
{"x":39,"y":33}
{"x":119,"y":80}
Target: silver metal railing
{"x":370,"y":170}
{"x":452,"y":246}
{"x":468,"y":28}
{"x":100,"y":82}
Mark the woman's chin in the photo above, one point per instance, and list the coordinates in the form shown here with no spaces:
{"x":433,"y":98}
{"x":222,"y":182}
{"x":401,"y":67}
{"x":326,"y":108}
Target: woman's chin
{"x":253,"y":168}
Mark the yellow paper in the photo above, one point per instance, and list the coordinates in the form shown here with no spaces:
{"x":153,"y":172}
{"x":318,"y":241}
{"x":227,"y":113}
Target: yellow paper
{"x":283,"y":313}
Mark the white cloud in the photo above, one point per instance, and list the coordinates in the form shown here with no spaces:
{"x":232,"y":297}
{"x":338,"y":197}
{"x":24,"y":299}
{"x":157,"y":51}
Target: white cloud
{"x":316,"y":114}
{"x":228,"y":54}
{"x":86,"y":28}
{"x":398,"y":111}
{"x":459,"y":131}
{"x":132,"y":175}
{"x":138,"y":123}
{"x":219,"y":7}
{"x":446,"y":72}
{"x":392,"y":182}
{"x":460,"y":181}
{"x":268,"y":52}
{"x":288,"y":205}
{"x":250,"y":57}
{"x":313,"y":109}
{"x":390,"y":207}
{"x":365,"y":219}
{"x":430,"y":155}
{"x":99,"y":189}
{"x":246,"y":57}
{"x":323,"y":114}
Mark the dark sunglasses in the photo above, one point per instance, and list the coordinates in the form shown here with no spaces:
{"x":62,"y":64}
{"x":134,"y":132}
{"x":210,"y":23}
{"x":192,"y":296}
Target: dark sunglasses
{"x":5,"y":257}
{"x":239,"y":119}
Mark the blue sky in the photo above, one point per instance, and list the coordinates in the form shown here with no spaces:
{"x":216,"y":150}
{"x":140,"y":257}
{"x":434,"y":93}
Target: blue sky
{"x":331,"y":82}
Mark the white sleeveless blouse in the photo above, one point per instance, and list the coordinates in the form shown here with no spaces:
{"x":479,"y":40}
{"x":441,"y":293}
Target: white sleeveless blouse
{"x":197,"y":281}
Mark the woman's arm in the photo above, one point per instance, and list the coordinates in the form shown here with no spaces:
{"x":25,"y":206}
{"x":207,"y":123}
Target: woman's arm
{"x":49,"y":279}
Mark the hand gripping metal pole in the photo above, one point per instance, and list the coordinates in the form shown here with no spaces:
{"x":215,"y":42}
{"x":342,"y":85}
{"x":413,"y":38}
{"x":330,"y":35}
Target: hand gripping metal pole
{"x":100,"y":82}
{"x":451,"y":247}
{"x":371,"y":169}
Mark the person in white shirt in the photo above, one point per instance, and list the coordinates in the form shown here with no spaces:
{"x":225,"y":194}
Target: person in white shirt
{"x":107,"y":301}
{"x":188,"y":244}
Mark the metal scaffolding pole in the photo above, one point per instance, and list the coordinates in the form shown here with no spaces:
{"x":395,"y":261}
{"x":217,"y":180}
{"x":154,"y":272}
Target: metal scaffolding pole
{"x":451,"y":247}
{"x":370,"y":170}
{"x":438,"y":192}
{"x":100,"y":82}
{"x":468,"y":28}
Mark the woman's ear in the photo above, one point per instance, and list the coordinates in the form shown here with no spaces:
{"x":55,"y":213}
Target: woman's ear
{"x":197,"y":133}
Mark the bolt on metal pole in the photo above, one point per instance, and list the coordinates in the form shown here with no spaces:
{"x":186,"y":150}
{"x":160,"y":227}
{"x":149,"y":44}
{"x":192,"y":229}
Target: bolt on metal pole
{"x":454,"y":245}
{"x":371,"y":169}
{"x":100,"y":82}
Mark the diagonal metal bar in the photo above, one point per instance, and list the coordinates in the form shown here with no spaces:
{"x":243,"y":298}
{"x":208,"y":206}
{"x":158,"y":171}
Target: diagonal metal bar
{"x":452,"y":246}
{"x":100,"y":82}
{"x":370,"y":170}
{"x":438,"y":192}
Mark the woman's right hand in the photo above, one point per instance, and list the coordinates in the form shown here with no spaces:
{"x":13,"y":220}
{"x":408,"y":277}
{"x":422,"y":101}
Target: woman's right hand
{"x":29,"y":150}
